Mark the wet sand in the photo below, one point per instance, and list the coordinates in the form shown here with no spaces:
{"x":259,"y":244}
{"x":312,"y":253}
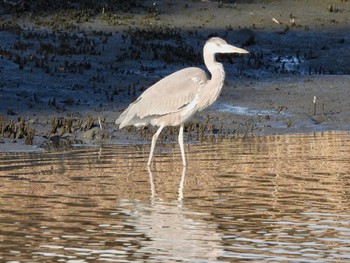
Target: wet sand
{"x":67,"y":74}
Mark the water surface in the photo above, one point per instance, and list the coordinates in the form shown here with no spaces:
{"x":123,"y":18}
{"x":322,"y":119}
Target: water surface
{"x":261,"y":199}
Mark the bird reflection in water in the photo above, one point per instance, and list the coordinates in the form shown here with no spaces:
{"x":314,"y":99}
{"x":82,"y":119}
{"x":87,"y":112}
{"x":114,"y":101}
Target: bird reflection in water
{"x":172,"y":231}
{"x":154,"y":195}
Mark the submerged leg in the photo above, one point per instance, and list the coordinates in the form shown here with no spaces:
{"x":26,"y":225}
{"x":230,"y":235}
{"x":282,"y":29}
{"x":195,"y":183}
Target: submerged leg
{"x":154,"y":140}
{"x":181,"y":142}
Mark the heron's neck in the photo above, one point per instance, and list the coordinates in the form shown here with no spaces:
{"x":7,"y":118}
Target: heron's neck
{"x":217,"y":73}
{"x":215,"y":68}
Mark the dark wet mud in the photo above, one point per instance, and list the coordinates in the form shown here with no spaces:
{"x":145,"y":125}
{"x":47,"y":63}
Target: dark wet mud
{"x":69,"y":69}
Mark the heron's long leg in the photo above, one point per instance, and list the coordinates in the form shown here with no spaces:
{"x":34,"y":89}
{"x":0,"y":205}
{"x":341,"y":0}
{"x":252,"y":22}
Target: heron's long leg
{"x":154,"y":140}
{"x":181,"y":142}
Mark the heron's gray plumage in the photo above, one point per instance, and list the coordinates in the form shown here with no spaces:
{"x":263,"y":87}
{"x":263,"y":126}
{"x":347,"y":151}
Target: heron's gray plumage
{"x":175,"y":98}
{"x":152,"y":104}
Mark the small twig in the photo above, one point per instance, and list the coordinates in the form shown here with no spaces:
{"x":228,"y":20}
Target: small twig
{"x":276,"y":21}
{"x":100,"y":123}
{"x":315,"y":104}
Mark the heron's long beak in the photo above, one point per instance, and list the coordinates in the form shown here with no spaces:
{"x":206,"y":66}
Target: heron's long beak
{"x":233,"y":49}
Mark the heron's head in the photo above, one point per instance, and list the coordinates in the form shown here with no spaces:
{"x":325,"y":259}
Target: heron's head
{"x":218,"y":45}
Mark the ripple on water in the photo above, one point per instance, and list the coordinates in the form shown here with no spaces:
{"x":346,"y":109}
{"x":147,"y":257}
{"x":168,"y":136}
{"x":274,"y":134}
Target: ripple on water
{"x":277,"y":198}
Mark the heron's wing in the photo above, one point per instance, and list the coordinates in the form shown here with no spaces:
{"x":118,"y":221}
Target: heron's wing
{"x":168,"y":95}
{"x":171,"y":93}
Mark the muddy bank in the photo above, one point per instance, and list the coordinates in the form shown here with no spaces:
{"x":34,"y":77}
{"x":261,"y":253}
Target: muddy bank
{"x":68,"y":73}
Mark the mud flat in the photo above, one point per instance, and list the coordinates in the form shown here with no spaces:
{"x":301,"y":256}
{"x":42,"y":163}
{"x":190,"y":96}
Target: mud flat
{"x":68,"y":71}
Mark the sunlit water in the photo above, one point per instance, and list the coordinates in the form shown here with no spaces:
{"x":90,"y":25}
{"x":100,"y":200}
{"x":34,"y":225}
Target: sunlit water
{"x":262,"y":199}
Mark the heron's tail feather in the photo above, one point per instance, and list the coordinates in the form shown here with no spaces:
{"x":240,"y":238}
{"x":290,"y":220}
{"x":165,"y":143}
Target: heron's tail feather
{"x":128,"y":117}
{"x":123,"y":119}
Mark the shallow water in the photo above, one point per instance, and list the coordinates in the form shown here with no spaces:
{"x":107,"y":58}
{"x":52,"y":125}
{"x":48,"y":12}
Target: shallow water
{"x":243,"y":110}
{"x":262,"y":199}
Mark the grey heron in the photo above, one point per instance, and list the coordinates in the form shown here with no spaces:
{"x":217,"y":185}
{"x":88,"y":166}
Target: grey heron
{"x":174,"y":99}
